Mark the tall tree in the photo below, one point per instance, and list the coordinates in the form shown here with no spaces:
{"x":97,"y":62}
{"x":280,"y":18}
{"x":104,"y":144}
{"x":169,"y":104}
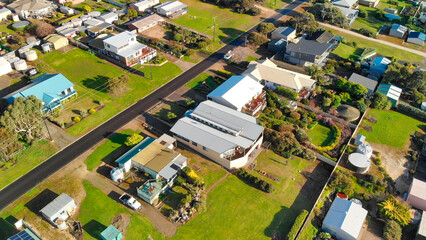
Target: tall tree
{"x":24,"y":117}
{"x":8,"y":144}
{"x":132,"y":13}
{"x":43,"y":29}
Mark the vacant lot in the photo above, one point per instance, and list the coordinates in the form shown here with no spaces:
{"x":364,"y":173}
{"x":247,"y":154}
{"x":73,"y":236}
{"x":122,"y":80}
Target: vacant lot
{"x":197,"y":82}
{"x":320,"y":134}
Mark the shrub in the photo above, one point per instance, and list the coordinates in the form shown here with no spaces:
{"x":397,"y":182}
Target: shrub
{"x":410,"y":110}
{"x":82,"y":112}
{"x":377,"y":161}
{"x":255,"y":181}
{"x":180,"y":181}
{"x":392,"y":209}
{"x":381,"y":102}
{"x":133,"y":139}
{"x":171,"y":115}
{"x":312,"y":125}
{"x":392,"y":230}
{"x":92,"y":111}
{"x":185,"y":200}
{"x":288,"y":93}
{"x":76,"y":119}
{"x":366,"y":32}
{"x":265,"y":28}
{"x":224,"y":73}
{"x":297,"y":225}
{"x":363,"y":13}
{"x":257,"y":39}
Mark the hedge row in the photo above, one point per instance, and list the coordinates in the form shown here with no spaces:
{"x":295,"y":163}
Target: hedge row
{"x":312,"y":125}
{"x":337,"y":134}
{"x":297,"y":225}
{"x":224,"y":73}
{"x":255,"y":181}
{"x":285,"y":92}
{"x":415,"y":112}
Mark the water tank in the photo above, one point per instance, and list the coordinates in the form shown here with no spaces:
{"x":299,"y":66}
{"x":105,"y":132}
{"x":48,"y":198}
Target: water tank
{"x":365,"y":149}
{"x":76,"y":22}
{"x":423,"y":107}
{"x":31,"y":40}
{"x":20,"y":65}
{"x":45,"y":47}
{"x":22,"y":51}
{"x":13,"y":59}
{"x":31,"y":55}
{"x":360,"y":163}
{"x":19,"y":26}
{"x":292,"y":105}
{"x":117,"y":174}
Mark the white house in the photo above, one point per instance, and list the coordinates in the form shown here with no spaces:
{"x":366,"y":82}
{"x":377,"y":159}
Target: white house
{"x":144,"y":23}
{"x":344,"y":219}
{"x":5,"y":67}
{"x":171,"y":9}
{"x":141,"y":6}
{"x":108,"y":17}
{"x":345,"y":3}
{"x":241,"y":93}
{"x":222,"y":134}
{"x":32,"y":8}
{"x":59,"y":210}
{"x":4,"y":13}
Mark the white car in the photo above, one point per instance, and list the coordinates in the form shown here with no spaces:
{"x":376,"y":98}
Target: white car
{"x":228,"y":55}
{"x":130,"y":201}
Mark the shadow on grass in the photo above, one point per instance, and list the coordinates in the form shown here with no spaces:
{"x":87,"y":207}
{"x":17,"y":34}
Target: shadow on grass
{"x":40,"y":201}
{"x":94,"y":228}
{"x":98,"y":83}
{"x":7,"y":227}
{"x":231,"y":33}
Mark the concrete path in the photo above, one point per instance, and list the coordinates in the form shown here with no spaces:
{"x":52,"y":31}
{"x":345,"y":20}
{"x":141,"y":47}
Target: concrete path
{"x":423,"y":54}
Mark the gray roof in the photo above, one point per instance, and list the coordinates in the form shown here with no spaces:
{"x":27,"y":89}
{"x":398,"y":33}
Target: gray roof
{"x":120,"y":39}
{"x":284,"y":31}
{"x":369,"y":83}
{"x":131,"y":49}
{"x":344,"y":3}
{"x":218,"y":128}
{"x":57,"y":205}
{"x":308,"y":47}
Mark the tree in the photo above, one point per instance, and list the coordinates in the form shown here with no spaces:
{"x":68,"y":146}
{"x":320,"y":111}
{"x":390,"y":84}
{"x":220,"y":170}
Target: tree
{"x":343,"y":183}
{"x":392,"y":209}
{"x":306,"y":23}
{"x":326,"y":11}
{"x":24,"y":118}
{"x":133,"y":139}
{"x":381,"y":102}
{"x":8,"y":144}
{"x":265,"y":28}
{"x":326,"y":102}
{"x":302,"y":136}
{"x":132,"y":13}
{"x":257,"y":39}
{"x":397,"y":74}
{"x":178,"y":37}
{"x":118,"y":85}
{"x":43,"y":29}
{"x":87,"y":8}
{"x":392,"y":230}
{"x":357,"y":90}
{"x":363,"y":13}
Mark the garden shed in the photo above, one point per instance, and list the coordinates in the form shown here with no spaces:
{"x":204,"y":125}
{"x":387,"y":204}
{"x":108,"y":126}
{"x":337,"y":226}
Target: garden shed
{"x":360,"y":139}
{"x":417,"y":194}
{"x":392,"y":92}
{"x":5,"y":67}
{"x":59,"y":210}
{"x":58,"y":41}
{"x":111,"y":233}
{"x":365,"y":149}
{"x":368,"y":83}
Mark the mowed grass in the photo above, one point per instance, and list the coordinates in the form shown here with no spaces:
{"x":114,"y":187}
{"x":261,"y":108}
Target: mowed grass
{"x":90,"y":75}
{"x":319,"y":134}
{"x":26,"y":160}
{"x":392,"y":128}
{"x":110,"y":145}
{"x":229,"y":24}
{"x":6,"y":29}
{"x":370,"y":22}
{"x":198,"y":80}
{"x":345,"y":51}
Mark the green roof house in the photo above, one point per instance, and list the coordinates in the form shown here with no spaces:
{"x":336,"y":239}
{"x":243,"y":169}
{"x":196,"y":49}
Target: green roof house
{"x":392,"y":92}
{"x":111,"y":233}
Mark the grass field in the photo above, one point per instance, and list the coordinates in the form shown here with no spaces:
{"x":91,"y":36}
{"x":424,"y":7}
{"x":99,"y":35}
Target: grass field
{"x":370,"y":22}
{"x":392,"y":128}
{"x":4,"y":28}
{"x":347,"y":52}
{"x":26,"y":160}
{"x":275,"y":4}
{"x":194,"y":83}
{"x":175,"y":108}
{"x":110,"y":145}
{"x":90,"y":75}
{"x":319,"y":134}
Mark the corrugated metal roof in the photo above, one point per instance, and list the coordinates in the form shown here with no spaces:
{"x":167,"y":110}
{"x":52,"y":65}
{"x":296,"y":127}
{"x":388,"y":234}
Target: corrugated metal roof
{"x":418,"y":189}
{"x":24,"y":235}
{"x":120,"y":39}
{"x":390,"y":90}
{"x":110,"y":233}
{"x":309,"y":47}
{"x":57,"y":205}
{"x":369,"y":83}
{"x":171,"y":6}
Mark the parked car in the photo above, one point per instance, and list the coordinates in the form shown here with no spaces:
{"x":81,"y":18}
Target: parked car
{"x":130,"y":201}
{"x":228,"y":55}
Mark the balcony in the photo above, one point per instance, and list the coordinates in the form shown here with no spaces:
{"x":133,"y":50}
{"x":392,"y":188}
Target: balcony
{"x":256,"y":104}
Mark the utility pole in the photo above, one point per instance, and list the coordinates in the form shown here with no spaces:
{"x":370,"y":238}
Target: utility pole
{"x":214,"y":29}
{"x":45,"y":124}
{"x":150,"y":68}
{"x":245,"y":40}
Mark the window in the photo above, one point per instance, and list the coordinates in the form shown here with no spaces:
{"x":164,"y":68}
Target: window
{"x":194,"y":143}
{"x":205,"y":149}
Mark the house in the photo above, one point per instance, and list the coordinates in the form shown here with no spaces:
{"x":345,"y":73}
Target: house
{"x":270,"y":75}
{"x":416,"y":38}
{"x":68,"y":32}
{"x":171,"y":9}
{"x":126,"y":49}
{"x":321,"y":36}
{"x":52,"y":89}
{"x":141,"y":6}
{"x":307,"y":52}
{"x":241,"y":93}
{"x":417,"y":194}
{"x":5,"y":67}
{"x":57,"y":41}
{"x":144,"y":23}
{"x":32,"y":8}
{"x":349,"y":13}
{"x":286,"y":33}
{"x":392,"y":92}
{"x":397,"y":30}
{"x":344,"y":219}
{"x":91,"y":22}
{"x":368,"y":83}
{"x":4,"y":13}
{"x":379,"y":65}
{"x":277,"y":45}
{"x":111,"y":233}
{"x":95,"y":31}
{"x":25,"y":234}
{"x":222,"y":134}
{"x":369,"y":3}
{"x":108,"y":17}
{"x":421,"y":232}
{"x":59,"y":210}
{"x":345,"y":3}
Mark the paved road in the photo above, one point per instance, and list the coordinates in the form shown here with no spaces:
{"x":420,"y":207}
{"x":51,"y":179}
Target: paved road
{"x":67,"y":155}
{"x":423,"y":54}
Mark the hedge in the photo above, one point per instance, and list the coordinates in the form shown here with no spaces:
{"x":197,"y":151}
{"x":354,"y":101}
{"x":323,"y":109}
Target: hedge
{"x":285,"y":92}
{"x":255,"y":181}
{"x":337,"y":134}
{"x":297,"y":225}
{"x":413,"y":111}
{"x":224,"y":73}
{"x":312,"y":125}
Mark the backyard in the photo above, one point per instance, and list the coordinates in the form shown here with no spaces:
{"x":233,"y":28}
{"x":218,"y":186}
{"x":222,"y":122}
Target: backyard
{"x":390,"y":128}
{"x":320,"y":135}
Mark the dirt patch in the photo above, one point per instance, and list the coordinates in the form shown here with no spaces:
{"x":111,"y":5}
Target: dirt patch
{"x":372,"y":120}
{"x":367,"y":128}
{"x":121,"y":221}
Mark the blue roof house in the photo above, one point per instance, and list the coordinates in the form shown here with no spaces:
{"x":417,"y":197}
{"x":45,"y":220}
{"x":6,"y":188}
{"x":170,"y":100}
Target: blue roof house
{"x":379,"y":65}
{"x":416,"y":38}
{"x":52,"y":89}
{"x":397,"y":30}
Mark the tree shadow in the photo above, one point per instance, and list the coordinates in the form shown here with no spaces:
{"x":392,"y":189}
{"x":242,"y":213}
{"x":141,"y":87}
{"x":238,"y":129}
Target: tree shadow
{"x":7,"y":227}
{"x":231,"y":33}
{"x":40,"y":201}
{"x":98,"y":83}
{"x":94,"y":228}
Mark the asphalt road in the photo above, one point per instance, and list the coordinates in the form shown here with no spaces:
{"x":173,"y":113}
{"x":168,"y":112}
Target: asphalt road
{"x":67,"y":155}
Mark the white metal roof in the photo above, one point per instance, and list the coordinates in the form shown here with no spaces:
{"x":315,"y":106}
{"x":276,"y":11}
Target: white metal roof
{"x":359,"y":160}
{"x":418,"y":189}
{"x":171,"y":6}
{"x":120,"y":39}
{"x":57,"y":205}
{"x":422,"y":227}
{"x":173,"y":167}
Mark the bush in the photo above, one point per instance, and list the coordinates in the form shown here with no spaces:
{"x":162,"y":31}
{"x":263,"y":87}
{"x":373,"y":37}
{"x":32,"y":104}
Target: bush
{"x":366,"y":32}
{"x":224,"y":73}
{"x":377,"y":161}
{"x":312,"y":125}
{"x":363,"y":13}
{"x":297,"y":225}
{"x":410,"y":110}
{"x":133,"y":139}
{"x":92,"y":111}
{"x":392,"y":209}
{"x":82,"y":112}
{"x":288,"y":93}
{"x":76,"y":119}
{"x":257,"y":39}
{"x":255,"y":181}
{"x":392,"y":230}
{"x":381,"y":102}
{"x":265,"y":28}
{"x":180,"y":181}
{"x":171,"y":115}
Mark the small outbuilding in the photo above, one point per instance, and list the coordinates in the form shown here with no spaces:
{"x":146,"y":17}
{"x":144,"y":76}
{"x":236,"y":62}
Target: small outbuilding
{"x":359,"y":162}
{"x":57,"y":41}
{"x":423,"y":106}
{"x":360,"y":139}
{"x":417,"y":38}
{"x":111,"y":233}
{"x":397,"y":30}
{"x":59,"y":210}
{"x":4,"y":13}
{"x":5,"y":67}
{"x":417,"y":194}
{"x":421,"y":232}
{"x":392,"y":92}
{"x":365,"y":149}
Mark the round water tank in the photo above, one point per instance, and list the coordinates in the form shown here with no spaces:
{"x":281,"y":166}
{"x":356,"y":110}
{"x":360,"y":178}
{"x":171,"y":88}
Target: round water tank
{"x":45,"y":47}
{"x":20,"y":25}
{"x":94,"y":14}
{"x":365,"y":149}
{"x":31,"y":55}
{"x":22,"y":52}
{"x":423,"y":107}
{"x":20,"y":65}
{"x":360,"y":162}
{"x":76,"y":22}
{"x":68,"y":24}
{"x":31,"y":40}
{"x":292,"y":105}
{"x":13,"y":59}
{"x":117,"y":174}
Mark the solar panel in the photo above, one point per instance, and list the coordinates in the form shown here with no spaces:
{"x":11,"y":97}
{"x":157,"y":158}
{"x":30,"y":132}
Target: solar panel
{"x":24,"y":235}
{"x":175,"y":167}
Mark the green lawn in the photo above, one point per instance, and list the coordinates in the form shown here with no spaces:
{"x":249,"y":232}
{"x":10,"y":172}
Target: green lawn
{"x":4,"y":28}
{"x":370,"y":22}
{"x":102,"y":7}
{"x":175,"y":108}
{"x":275,"y":4}
{"x":197,"y":81}
{"x":26,"y":160}
{"x":90,"y":74}
{"x":392,"y":128}
{"x":110,"y":145}
{"x":347,"y":52}
{"x":319,"y":134}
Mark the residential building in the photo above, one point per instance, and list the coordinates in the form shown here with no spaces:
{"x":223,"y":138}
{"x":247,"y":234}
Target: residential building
{"x":91,"y":22}
{"x":379,"y":65}
{"x":417,"y":194}
{"x":368,"y":83}
{"x":32,"y":8}
{"x":286,"y":33}
{"x":369,"y":3}
{"x":59,"y":210}
{"x":126,"y":49}
{"x":392,"y":92}
{"x":68,"y":32}
{"x":144,"y":23}
{"x":108,"y":17}
{"x":241,"y":93}
{"x":141,"y":6}
{"x":66,"y":10}
{"x":111,"y":233}
{"x":397,"y":30}
{"x":307,"y":52}
{"x":421,"y":232}
{"x":345,"y":3}
{"x":94,"y":31}
{"x":277,"y":45}
{"x":74,"y":2}
{"x":5,"y":13}
{"x":25,"y":234}
{"x":52,"y":89}
{"x":321,"y":36}
{"x":5,"y":66}
{"x":349,"y":13}
{"x":171,"y":9}
{"x":57,"y":41}
{"x":270,"y":75}
{"x":416,"y":38}
{"x":344,"y":219}
{"x":222,"y":134}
